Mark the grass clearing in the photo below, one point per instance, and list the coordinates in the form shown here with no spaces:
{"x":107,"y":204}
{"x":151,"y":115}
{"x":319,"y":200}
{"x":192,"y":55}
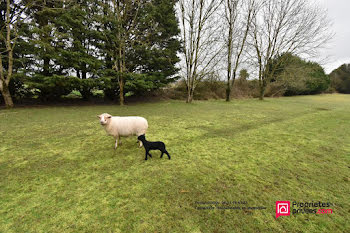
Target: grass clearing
{"x":60,"y":173}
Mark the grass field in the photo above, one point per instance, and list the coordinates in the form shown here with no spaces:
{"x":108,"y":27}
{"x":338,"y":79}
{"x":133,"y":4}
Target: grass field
{"x":60,"y":173}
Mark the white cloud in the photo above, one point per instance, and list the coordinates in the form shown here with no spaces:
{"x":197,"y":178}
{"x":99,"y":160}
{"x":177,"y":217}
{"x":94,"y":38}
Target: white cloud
{"x":338,"y":51}
{"x":330,"y":66}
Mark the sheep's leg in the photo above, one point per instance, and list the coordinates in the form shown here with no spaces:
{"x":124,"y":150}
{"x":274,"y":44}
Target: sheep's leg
{"x":119,"y":140}
{"x":161,"y":156}
{"x":146,"y":155}
{"x":140,"y":144}
{"x":149,"y":154}
{"x":116,"y":143}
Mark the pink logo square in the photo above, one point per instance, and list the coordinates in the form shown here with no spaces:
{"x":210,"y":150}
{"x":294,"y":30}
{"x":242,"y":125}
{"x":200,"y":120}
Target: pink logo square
{"x":282,"y":208}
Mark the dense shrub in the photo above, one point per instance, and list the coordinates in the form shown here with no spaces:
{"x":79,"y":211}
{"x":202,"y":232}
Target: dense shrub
{"x":340,"y":79}
{"x":135,"y":85}
{"x":318,"y":81}
{"x":295,"y":76}
{"x":18,"y":89}
{"x":110,"y":87}
{"x":140,"y":84}
{"x":244,"y":88}
{"x":175,"y":90}
{"x":86,"y":87}
{"x":205,"y":89}
{"x":210,"y":89}
{"x":52,"y":87}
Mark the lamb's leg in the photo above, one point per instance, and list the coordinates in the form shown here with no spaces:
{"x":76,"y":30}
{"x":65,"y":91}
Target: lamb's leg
{"x":140,"y":144}
{"x":149,"y":154}
{"x":166,"y":152}
{"x":161,"y":156}
{"x":120,"y":140}
{"x":146,"y":155}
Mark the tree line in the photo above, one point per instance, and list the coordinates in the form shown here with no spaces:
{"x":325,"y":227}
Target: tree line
{"x":114,"y":45}
{"x":130,"y":47}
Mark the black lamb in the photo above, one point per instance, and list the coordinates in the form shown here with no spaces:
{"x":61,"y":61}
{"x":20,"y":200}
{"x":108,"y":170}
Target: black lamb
{"x":153,"y":146}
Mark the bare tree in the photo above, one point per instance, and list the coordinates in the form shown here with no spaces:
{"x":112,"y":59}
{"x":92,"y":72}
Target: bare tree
{"x":237,"y":22}
{"x":200,"y":40}
{"x":13,"y":16}
{"x":289,"y":26}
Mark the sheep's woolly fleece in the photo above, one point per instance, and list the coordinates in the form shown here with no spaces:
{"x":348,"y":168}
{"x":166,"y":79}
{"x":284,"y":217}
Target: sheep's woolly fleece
{"x":123,"y":126}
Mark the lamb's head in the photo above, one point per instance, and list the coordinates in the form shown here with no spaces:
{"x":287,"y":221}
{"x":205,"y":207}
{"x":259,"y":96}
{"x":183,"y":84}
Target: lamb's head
{"x":104,"y":118}
{"x":141,"y":138}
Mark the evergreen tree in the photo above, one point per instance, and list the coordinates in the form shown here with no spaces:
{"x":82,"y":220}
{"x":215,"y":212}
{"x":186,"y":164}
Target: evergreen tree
{"x":119,"y":46}
{"x":142,"y":37}
{"x":43,"y":36}
{"x":80,"y":52}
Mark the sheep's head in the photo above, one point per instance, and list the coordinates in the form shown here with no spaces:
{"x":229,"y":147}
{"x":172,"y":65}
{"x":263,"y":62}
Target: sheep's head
{"x":104,"y":118}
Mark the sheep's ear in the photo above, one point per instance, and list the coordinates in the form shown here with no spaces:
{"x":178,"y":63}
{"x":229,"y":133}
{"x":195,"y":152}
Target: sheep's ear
{"x":109,"y":116}
{"x":98,"y":116}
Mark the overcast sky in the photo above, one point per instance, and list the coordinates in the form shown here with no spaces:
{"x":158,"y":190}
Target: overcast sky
{"x":339,"y":47}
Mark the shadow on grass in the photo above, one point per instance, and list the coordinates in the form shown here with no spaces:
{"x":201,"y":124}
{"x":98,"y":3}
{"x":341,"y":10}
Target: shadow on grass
{"x":230,"y":132}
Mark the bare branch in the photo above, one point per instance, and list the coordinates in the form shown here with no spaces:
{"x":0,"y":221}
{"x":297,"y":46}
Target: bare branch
{"x":199,"y":37}
{"x":289,"y":26}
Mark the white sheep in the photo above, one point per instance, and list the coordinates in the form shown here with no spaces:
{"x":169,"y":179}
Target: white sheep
{"x":123,"y":126}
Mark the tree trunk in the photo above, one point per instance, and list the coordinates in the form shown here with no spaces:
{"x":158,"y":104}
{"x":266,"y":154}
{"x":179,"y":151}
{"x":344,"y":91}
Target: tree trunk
{"x":121,"y":91}
{"x":78,"y":73}
{"x":83,"y":76}
{"x":228,"y":88}
{"x":46,"y":67}
{"x":189,"y":98}
{"x":262,"y":87}
{"x":190,"y":93}
{"x":228,"y":92}
{"x":229,"y":61}
{"x":262,"y":93}
{"x":85,"y":92}
{"x":44,"y":35}
{"x":7,"y":96}
{"x":109,"y":62}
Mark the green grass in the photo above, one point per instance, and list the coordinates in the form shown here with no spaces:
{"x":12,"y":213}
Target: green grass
{"x":60,"y":173}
